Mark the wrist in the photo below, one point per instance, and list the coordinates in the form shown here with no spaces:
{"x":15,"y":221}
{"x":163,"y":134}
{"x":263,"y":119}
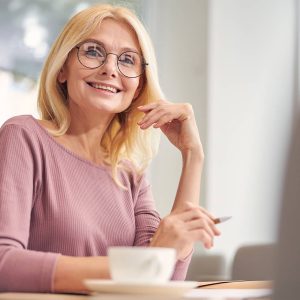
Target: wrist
{"x":196,"y":155}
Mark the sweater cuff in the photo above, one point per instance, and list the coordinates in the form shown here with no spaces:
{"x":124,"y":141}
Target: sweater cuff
{"x":47,"y":272}
{"x":52,"y":271}
{"x":187,"y":258}
{"x":26,"y":270}
{"x":182,"y":266}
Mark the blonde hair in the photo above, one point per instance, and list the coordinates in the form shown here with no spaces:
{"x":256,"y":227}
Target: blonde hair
{"x":123,"y":140}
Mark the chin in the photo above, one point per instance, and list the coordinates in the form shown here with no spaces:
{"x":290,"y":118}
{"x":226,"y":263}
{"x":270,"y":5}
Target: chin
{"x":112,"y":107}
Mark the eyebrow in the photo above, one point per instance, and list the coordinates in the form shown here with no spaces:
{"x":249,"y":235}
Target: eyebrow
{"x":124,"y":49}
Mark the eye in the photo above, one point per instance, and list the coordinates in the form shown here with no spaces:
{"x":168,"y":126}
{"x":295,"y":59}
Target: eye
{"x":127,"y":59}
{"x":93,"y":53}
{"x":92,"y":50}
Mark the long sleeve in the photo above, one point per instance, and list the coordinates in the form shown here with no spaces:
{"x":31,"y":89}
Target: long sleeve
{"x":147,"y":221}
{"x":20,"y":269}
{"x":181,"y":268}
{"x":146,"y":217}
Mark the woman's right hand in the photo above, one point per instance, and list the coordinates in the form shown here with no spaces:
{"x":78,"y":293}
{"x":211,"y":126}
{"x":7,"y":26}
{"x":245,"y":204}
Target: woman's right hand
{"x":181,"y":229}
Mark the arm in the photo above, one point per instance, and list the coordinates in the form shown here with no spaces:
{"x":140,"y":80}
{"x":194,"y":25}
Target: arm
{"x":189,"y":188}
{"x":189,"y":184}
{"x":177,"y":122}
{"x":20,"y":269}
{"x":71,"y":271}
{"x":187,"y":222}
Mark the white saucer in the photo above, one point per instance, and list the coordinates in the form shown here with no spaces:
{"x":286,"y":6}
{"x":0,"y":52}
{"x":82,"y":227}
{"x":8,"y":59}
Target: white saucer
{"x":174,"y":288}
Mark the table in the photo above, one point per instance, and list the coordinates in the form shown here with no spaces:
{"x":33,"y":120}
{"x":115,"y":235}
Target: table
{"x":229,"y":285}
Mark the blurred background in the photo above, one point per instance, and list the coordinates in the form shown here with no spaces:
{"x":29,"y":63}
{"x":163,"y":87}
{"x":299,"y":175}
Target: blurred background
{"x":236,"y":61}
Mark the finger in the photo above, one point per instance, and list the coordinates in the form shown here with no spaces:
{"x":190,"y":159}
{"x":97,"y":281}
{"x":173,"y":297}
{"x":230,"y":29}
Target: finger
{"x":193,"y":211}
{"x":166,"y":119}
{"x":202,"y":236}
{"x":207,"y":213}
{"x":152,"y":117}
{"x":148,"y":107}
{"x":212,"y":220}
{"x":213,"y":226}
{"x":189,"y":215}
{"x":149,"y":114}
{"x":197,"y":215}
{"x":200,"y":224}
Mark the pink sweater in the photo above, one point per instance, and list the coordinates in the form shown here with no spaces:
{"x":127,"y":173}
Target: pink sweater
{"x":54,"y":202}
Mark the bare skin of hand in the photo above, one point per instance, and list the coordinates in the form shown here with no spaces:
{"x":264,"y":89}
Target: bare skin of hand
{"x":185,"y":228}
{"x":177,"y":122}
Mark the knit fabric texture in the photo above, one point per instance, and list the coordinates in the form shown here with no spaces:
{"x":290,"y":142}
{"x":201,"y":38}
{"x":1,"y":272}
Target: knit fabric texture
{"x":54,"y":202}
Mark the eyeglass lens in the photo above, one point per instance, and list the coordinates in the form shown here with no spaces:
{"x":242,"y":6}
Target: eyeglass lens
{"x":93,"y":55}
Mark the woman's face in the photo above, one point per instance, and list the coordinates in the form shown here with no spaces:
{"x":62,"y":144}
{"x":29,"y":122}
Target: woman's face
{"x":104,"y":88}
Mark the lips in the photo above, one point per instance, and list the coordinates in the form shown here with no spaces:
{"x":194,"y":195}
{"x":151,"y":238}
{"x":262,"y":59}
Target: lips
{"x":104,"y":87}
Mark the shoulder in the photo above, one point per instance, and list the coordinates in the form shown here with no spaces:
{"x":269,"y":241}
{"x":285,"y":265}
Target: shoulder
{"x":28,"y":123}
{"x":20,"y":124}
{"x":23,"y":127}
{"x":19,"y":121}
{"x":18,"y":138}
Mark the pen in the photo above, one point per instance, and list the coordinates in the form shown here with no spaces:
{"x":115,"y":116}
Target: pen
{"x":221,"y":220}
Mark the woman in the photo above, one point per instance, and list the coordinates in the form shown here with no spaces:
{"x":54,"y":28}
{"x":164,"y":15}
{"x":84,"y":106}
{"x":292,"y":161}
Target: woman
{"x":72,"y":183}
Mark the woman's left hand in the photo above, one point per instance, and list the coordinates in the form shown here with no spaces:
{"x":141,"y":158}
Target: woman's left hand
{"x":182,"y":228}
{"x":177,"y":122}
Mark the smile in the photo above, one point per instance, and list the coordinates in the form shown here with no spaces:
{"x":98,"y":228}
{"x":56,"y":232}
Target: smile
{"x":103,"y":87}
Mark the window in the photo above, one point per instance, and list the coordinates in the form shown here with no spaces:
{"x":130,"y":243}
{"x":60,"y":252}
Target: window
{"x":27,"y":30}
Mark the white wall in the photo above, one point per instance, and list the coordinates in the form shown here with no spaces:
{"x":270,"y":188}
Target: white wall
{"x":250,"y":104}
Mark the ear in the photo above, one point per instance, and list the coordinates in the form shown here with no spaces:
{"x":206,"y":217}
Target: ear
{"x":62,"y":75}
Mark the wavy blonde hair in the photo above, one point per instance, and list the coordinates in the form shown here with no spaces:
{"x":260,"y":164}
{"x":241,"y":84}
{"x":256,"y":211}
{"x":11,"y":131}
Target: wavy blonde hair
{"x":123,"y":140}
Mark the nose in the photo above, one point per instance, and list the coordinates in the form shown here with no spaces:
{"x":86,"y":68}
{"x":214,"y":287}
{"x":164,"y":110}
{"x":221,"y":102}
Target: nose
{"x":109,"y":67}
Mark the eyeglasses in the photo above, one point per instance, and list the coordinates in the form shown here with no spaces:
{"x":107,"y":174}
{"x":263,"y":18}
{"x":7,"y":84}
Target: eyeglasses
{"x":93,"y":55}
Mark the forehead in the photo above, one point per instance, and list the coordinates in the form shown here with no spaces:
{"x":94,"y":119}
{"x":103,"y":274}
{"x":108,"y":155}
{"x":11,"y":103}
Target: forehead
{"x":115,"y":35}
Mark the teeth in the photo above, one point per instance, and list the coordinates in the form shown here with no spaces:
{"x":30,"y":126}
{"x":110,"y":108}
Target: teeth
{"x":104,"y":87}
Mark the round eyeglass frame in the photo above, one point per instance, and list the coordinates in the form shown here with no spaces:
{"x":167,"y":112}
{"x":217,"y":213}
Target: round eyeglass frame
{"x":144,"y":63}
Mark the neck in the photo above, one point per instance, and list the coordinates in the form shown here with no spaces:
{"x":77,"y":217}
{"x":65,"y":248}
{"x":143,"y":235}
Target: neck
{"x":86,"y":132}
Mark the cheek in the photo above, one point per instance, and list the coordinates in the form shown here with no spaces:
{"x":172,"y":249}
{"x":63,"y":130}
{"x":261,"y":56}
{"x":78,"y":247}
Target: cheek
{"x":72,"y":83}
{"x":76,"y":78}
{"x":75,"y":88}
{"x":132,"y":86}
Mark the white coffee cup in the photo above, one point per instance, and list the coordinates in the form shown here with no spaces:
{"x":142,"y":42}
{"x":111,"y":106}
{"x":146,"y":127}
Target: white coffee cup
{"x":141,"y":264}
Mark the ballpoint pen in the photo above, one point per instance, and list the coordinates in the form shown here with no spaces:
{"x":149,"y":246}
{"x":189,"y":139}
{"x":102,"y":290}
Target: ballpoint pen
{"x":221,"y":220}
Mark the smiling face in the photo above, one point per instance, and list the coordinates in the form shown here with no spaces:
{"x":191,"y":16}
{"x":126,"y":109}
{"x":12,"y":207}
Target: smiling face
{"x":103,"y":89}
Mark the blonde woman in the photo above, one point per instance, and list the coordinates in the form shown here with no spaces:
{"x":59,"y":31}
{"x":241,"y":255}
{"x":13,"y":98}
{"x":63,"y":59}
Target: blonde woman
{"x":72,"y":184}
